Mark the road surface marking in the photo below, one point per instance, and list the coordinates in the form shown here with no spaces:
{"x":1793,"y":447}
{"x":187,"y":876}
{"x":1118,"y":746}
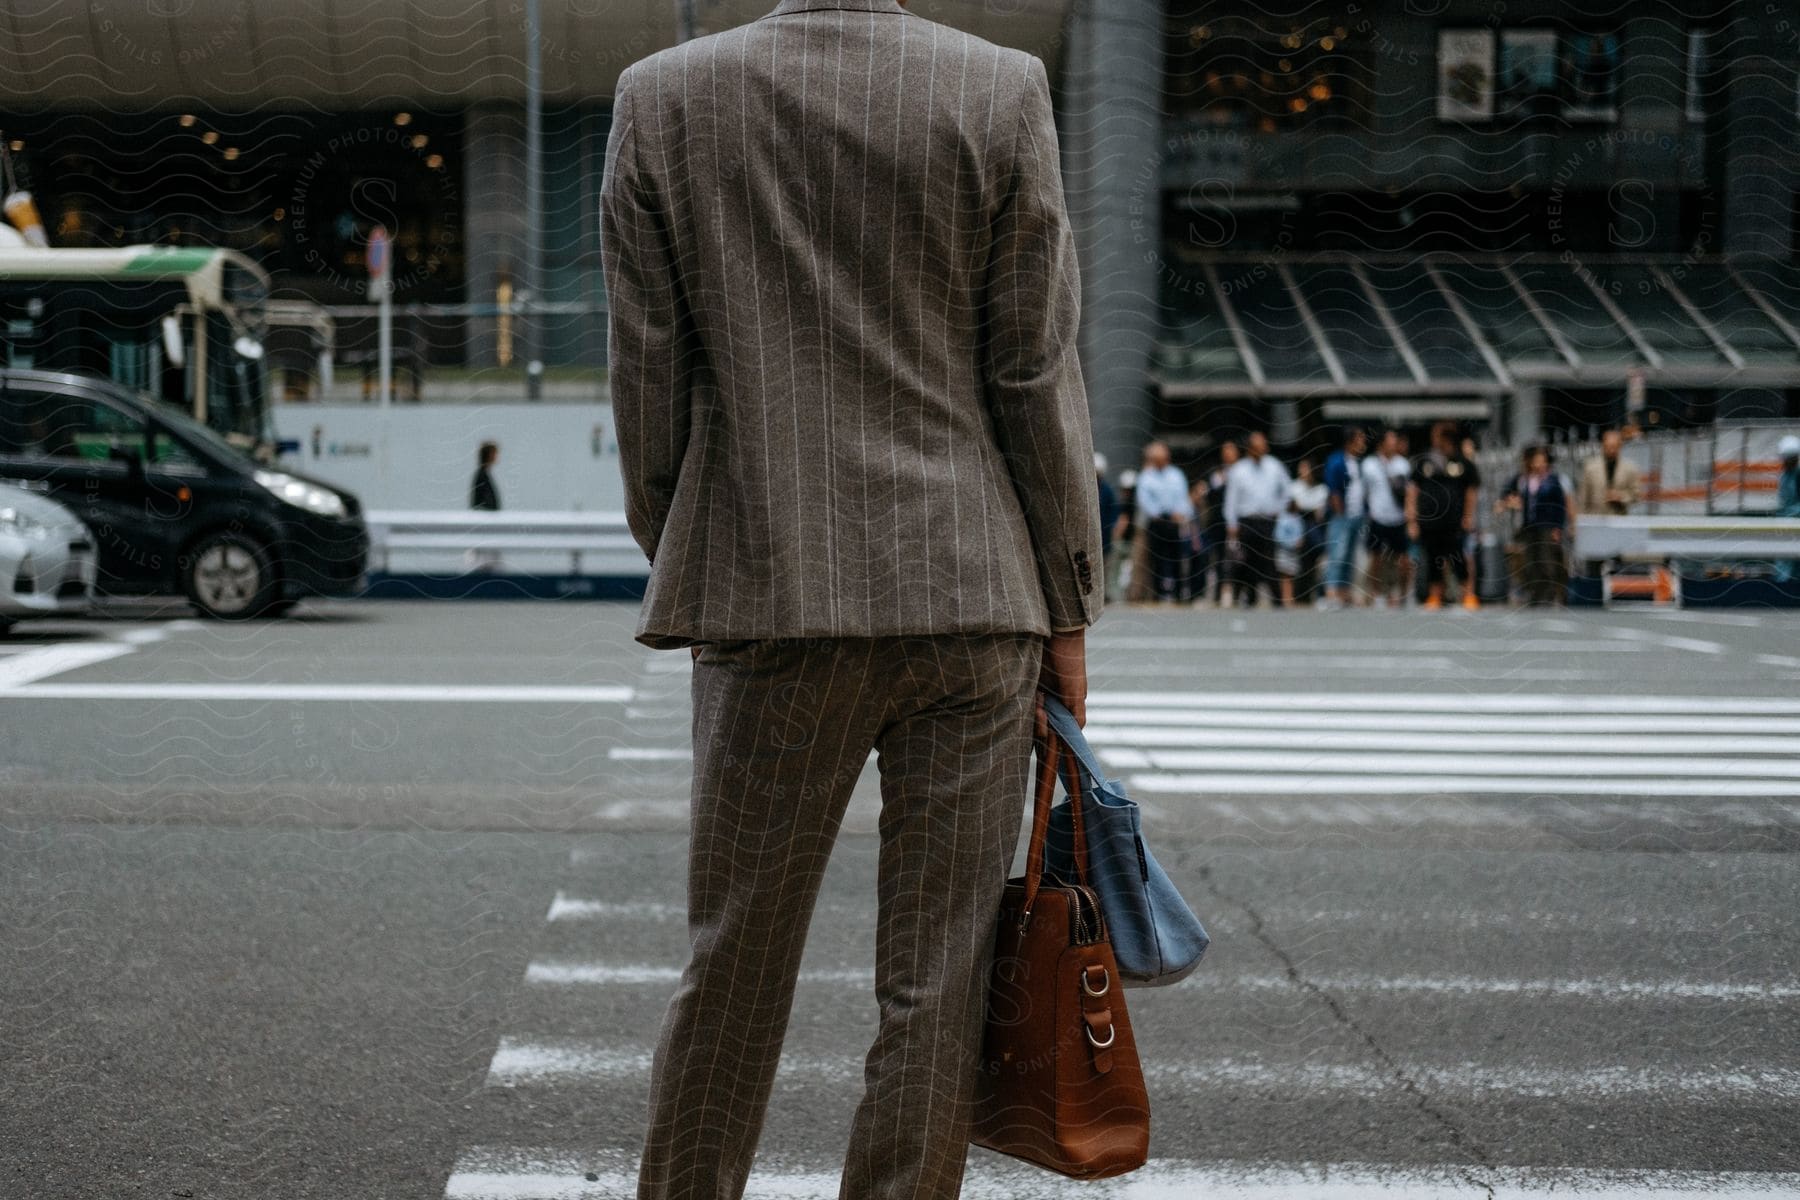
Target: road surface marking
{"x":1100,"y":717}
{"x":1381,"y":806}
{"x":1626,"y":633}
{"x":564,"y":973}
{"x":1297,"y":760}
{"x":1473,"y":645}
{"x":1741,"y":620}
{"x":1536,"y":703}
{"x":564,"y":907}
{"x":1431,"y":740}
{"x":606,"y":974}
{"x":519,"y":1062}
{"x":386,"y":693}
{"x":1290,"y":783}
{"x":495,"y":1173}
{"x":17,"y":670}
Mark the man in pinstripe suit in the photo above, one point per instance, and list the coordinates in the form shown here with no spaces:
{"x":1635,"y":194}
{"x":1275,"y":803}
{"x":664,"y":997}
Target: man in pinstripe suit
{"x":843,"y":308}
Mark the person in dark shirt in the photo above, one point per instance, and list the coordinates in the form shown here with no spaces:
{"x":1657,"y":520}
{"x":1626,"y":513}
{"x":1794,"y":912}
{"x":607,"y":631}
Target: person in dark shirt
{"x":1441,"y":502}
{"x":1538,"y":496}
{"x":1110,"y":525}
{"x":1109,"y":505}
{"x":483,"y":495}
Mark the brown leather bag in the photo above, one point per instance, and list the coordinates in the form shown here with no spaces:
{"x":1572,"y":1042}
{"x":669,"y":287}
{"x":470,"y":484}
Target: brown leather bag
{"x":1059,"y":1083}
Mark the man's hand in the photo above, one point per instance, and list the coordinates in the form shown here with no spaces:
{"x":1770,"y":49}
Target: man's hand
{"x":1064,"y":674}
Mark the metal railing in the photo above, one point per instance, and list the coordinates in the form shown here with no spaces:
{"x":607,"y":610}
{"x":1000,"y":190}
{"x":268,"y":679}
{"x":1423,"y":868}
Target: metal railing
{"x":599,"y":543}
{"x":1683,"y":536}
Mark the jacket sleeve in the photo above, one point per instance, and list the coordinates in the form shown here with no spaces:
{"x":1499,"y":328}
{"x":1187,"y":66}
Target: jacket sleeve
{"x":1584,"y":491}
{"x":646,"y":350}
{"x":1031,"y":310}
{"x":1630,"y":482}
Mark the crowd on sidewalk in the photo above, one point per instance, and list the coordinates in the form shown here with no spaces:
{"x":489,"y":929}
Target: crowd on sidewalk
{"x":1372,"y":525}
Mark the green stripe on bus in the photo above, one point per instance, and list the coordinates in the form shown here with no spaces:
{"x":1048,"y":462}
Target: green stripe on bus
{"x":171,"y":260}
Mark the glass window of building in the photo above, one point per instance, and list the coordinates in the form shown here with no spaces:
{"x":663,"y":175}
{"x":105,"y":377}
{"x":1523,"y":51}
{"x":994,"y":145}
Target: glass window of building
{"x":1658,"y":314}
{"x":1573,"y":310}
{"x":1197,"y":343}
{"x":1266,"y":76}
{"x":1505,"y":323}
{"x":1431,"y":326}
{"x":1351,"y":325}
{"x":1273,"y":323}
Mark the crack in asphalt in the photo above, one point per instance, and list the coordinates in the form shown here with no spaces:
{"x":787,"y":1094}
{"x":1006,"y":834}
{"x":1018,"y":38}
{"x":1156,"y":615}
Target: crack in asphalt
{"x":1459,"y":1137}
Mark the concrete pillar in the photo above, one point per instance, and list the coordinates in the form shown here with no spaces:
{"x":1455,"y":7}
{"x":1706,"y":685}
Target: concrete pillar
{"x":494,"y":227}
{"x":1110,"y":104}
{"x":1527,"y":404}
{"x":1762,"y":167}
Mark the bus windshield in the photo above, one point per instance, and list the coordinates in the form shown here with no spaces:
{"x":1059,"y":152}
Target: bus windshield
{"x":187,"y":427}
{"x":181,"y":324}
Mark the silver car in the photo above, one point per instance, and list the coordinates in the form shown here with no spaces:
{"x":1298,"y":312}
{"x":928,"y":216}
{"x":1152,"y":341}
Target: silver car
{"x":46,"y":558}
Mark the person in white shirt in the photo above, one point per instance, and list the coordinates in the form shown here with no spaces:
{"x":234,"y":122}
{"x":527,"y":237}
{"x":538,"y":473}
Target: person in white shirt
{"x":1256,"y":494}
{"x":1299,"y":532}
{"x":1384,"y":489}
{"x":1164,"y":512}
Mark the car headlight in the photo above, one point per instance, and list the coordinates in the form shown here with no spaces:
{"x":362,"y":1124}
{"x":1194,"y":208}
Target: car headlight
{"x":23,"y":524}
{"x":302,"y":494}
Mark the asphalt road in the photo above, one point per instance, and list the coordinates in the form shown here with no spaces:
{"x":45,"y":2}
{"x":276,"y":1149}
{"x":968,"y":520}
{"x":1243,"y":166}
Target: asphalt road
{"x":385,"y":900}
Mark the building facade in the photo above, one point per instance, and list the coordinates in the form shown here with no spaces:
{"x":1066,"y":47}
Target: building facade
{"x":1524,"y":213}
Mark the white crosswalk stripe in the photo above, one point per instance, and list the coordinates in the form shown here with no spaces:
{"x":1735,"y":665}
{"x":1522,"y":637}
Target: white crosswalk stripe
{"x":1419,"y":743}
{"x":494,"y":1173}
{"x":549,"y":1061}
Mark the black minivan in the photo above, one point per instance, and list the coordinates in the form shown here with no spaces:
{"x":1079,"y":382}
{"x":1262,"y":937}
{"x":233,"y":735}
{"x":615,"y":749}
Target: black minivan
{"x":174,"y":507}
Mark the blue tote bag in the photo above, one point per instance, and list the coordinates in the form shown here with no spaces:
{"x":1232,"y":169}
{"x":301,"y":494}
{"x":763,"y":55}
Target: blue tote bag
{"x":1156,"y":937}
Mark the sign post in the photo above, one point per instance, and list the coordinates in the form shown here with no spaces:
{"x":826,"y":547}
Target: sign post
{"x":380,"y":259}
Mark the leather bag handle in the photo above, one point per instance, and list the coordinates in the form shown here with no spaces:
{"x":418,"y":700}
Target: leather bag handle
{"x":1048,"y":751}
{"x":1071,"y":778}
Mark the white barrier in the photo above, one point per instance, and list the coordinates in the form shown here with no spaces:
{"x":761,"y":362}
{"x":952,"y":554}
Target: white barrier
{"x":597,"y":543}
{"x":1680,"y":535}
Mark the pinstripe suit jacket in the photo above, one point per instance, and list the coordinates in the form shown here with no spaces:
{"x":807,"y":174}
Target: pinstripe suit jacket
{"x":843,"y":300}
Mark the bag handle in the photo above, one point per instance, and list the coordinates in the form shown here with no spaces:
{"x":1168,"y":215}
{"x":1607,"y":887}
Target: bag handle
{"x":1077,"y":819}
{"x":1047,"y":751}
{"x":1062,"y":723}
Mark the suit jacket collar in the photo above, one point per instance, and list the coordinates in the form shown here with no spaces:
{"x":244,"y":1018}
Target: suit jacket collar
{"x":797,"y":6}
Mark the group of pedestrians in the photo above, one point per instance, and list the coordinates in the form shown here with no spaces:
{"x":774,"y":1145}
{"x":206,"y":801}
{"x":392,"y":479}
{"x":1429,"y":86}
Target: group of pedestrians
{"x":1375,"y":525}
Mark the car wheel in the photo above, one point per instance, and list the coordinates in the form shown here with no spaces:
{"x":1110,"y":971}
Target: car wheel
{"x":229,"y":577}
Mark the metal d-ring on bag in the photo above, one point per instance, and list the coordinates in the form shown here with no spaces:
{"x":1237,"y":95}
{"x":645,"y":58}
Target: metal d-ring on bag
{"x":1156,"y":937}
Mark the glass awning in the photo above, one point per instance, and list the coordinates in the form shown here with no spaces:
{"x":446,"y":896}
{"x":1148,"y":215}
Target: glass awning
{"x":1439,"y":323}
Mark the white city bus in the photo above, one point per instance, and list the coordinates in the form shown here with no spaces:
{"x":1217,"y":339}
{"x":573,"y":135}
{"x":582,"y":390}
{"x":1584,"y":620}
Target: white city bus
{"x":182,"y":324}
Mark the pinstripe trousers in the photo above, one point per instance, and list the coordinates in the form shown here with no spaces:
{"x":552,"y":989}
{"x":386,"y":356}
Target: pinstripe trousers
{"x":782,"y":728}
